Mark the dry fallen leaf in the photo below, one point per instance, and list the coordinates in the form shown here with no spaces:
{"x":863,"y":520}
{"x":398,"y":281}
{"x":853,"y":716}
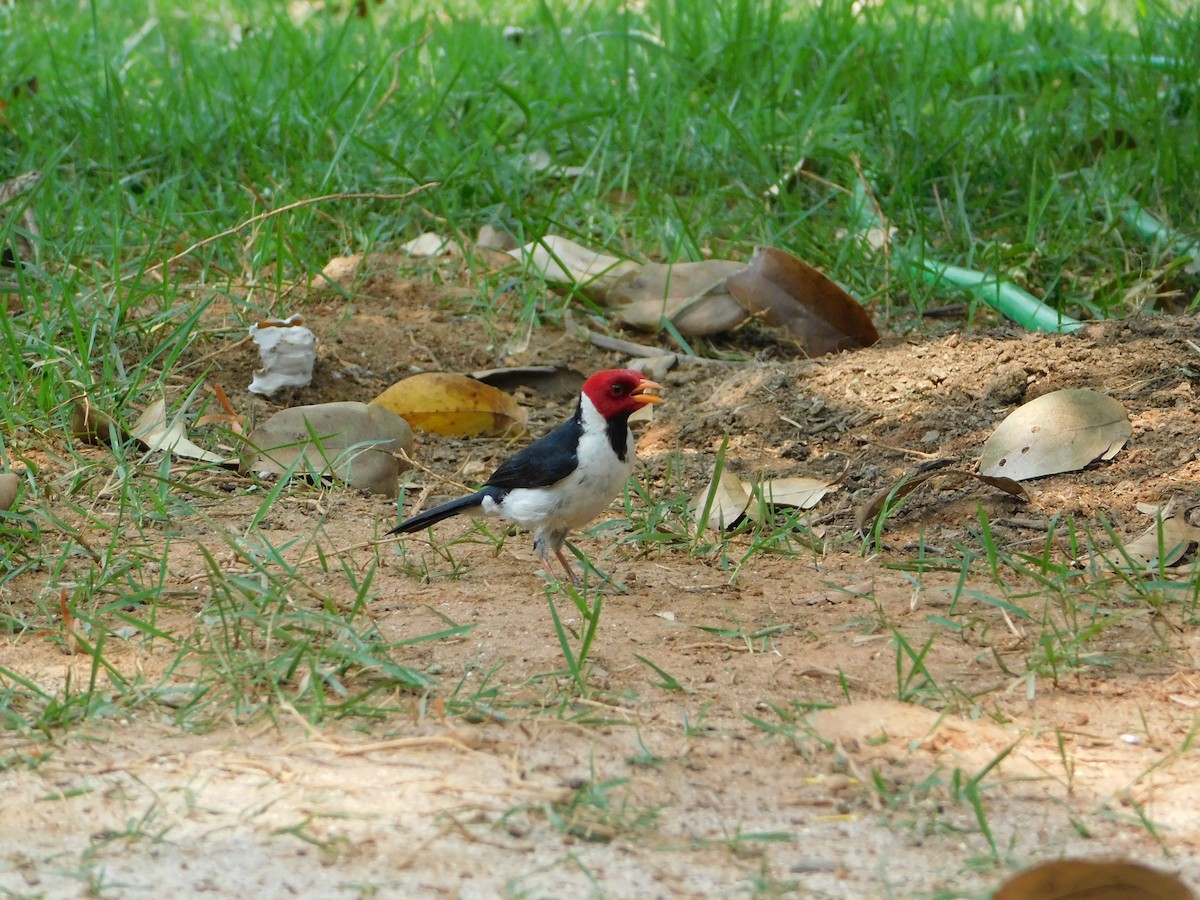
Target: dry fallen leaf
{"x":1162,"y":544}
{"x":356,"y":442}
{"x":1058,"y":432}
{"x":654,"y":367}
{"x":540,"y":161}
{"x":735,"y":498}
{"x":343,"y":270}
{"x":693,"y":296}
{"x":10,"y":482}
{"x":154,"y":433}
{"x":729,"y":499}
{"x":1084,"y":879}
{"x":92,"y":426}
{"x":798,"y":493}
{"x":374,"y":269}
{"x":454,"y":405}
{"x":869,"y":510}
{"x":229,"y":417}
{"x":557,"y":380}
{"x":492,"y":238}
{"x":561,"y":261}
{"x":788,"y":292}
{"x":428,"y":244}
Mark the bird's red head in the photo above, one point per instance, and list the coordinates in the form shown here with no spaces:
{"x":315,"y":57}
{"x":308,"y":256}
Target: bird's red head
{"x":616,"y":392}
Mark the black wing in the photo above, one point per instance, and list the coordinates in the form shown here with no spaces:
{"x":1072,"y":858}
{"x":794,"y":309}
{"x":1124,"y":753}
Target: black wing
{"x":545,"y":461}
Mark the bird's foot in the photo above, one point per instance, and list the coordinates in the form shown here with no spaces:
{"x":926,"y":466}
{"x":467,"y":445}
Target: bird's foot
{"x":554,"y":576}
{"x":605,"y":580}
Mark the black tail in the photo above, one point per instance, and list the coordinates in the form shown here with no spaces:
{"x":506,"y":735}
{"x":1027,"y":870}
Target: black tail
{"x":446,"y":510}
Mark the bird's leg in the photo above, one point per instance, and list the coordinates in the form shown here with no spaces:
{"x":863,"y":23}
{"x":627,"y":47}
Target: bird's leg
{"x":549,"y":568}
{"x":566,"y":566}
{"x":543,"y":543}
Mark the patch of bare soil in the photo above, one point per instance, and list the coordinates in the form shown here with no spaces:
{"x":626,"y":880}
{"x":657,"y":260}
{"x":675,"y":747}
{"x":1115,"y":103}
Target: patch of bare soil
{"x":716,"y":783}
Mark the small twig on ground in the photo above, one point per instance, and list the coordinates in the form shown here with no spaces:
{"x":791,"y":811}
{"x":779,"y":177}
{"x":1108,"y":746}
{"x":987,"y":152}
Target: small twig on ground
{"x":604,"y":342}
{"x":1031,"y":524}
{"x":917,"y":453}
{"x":413,"y":743}
{"x":457,"y":485}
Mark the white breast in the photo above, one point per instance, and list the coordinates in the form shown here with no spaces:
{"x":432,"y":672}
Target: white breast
{"x":577,"y":499}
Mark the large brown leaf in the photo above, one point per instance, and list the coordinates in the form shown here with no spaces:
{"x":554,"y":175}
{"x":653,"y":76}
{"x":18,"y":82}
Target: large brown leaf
{"x":10,"y":482}
{"x":356,"y":442}
{"x":1087,"y":879}
{"x":788,"y":292}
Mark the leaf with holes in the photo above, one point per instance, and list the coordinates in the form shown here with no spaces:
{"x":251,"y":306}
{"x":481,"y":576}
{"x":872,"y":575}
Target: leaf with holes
{"x":1058,"y":432}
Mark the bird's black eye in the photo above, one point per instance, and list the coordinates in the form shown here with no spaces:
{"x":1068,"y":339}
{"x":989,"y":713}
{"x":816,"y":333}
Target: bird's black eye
{"x":617,"y":390}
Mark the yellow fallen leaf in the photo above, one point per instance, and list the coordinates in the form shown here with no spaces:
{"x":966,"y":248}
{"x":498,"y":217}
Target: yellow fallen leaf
{"x":454,"y":405}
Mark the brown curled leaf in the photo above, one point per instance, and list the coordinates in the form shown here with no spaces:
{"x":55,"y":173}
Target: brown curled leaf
{"x":789,"y":293}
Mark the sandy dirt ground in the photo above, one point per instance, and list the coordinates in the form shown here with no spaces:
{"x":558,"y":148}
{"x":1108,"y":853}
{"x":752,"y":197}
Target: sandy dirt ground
{"x":764,"y":752}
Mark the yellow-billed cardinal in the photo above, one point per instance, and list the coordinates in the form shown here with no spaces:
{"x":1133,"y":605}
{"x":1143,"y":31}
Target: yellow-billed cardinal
{"x":564,"y":480}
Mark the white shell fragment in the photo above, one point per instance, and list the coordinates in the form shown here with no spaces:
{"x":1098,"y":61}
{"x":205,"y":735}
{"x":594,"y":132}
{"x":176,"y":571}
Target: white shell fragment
{"x":288,"y":351}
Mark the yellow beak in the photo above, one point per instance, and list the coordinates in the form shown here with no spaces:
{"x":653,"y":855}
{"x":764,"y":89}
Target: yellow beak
{"x":642,"y":393}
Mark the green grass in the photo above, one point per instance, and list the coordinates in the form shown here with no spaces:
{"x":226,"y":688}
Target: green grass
{"x":973,"y":124}
{"x":154,"y":131}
